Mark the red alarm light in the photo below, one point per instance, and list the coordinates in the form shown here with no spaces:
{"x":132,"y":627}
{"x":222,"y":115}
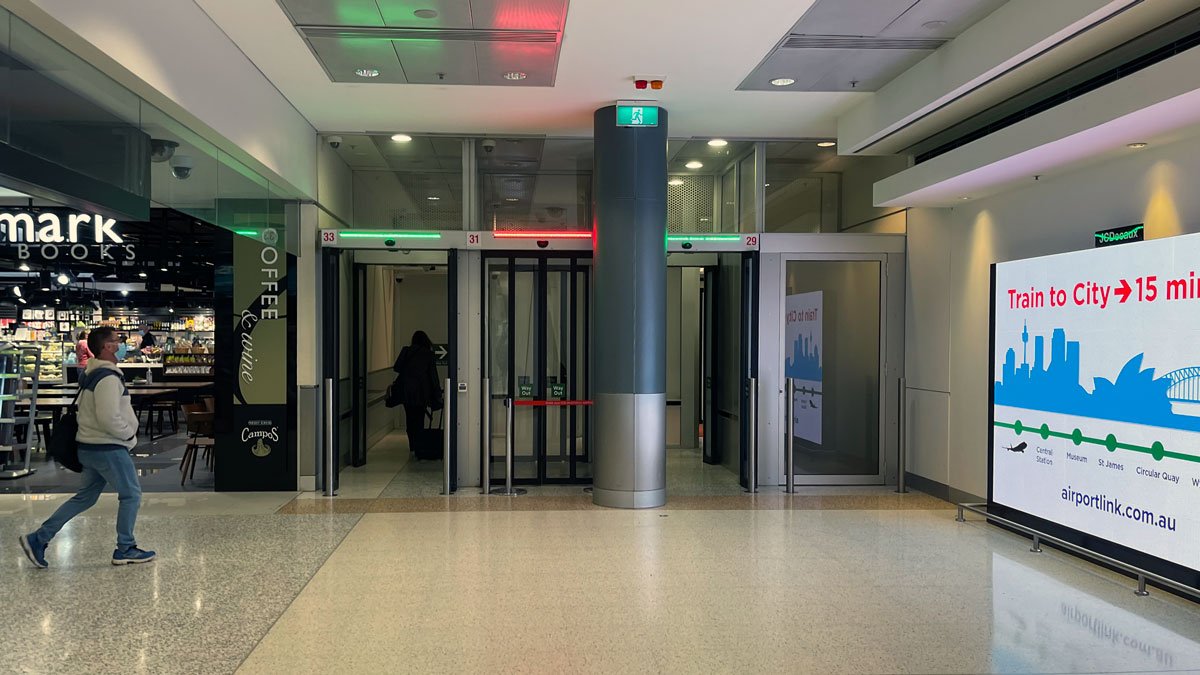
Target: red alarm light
{"x":639,"y":84}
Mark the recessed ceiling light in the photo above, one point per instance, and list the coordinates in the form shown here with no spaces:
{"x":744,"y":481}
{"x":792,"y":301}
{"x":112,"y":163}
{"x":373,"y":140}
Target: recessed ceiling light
{"x":433,"y":198}
{"x":1137,"y":146}
{"x":826,"y":144}
{"x":367,"y":72}
{"x":63,"y":279}
{"x":426,"y":14}
{"x":782,"y":82}
{"x":514,"y":75}
{"x":718,"y":143}
{"x":675,"y":181}
{"x":162,"y":269}
{"x":511,"y":199}
{"x":142,"y":275}
{"x":124,"y":292}
{"x":965,"y":198}
{"x":694,"y":165}
{"x":17,"y":291}
{"x":401,"y":138}
{"x":24,"y":267}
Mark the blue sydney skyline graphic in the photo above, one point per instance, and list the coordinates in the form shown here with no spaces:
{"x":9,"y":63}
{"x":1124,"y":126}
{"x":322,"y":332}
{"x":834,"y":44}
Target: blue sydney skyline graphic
{"x":805,"y":361}
{"x":1135,"y":394}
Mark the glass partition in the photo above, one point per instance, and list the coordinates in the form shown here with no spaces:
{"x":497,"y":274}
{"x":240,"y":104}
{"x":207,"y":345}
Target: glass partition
{"x":535,"y":183}
{"x":406,"y":182}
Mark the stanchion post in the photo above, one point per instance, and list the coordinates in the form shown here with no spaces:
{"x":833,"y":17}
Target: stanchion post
{"x":902,"y":445}
{"x":485,"y":473}
{"x":789,"y":445}
{"x":447,"y":421}
{"x":330,"y":426}
{"x":752,"y":410}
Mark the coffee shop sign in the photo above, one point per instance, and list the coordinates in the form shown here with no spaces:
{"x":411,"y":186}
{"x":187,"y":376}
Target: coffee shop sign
{"x":44,"y":234}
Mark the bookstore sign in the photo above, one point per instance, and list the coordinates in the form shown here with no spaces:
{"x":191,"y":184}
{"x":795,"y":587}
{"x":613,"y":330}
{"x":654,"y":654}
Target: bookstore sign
{"x":71,"y":236}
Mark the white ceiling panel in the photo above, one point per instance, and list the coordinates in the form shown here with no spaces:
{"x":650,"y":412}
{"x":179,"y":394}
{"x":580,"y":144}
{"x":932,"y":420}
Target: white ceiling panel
{"x":519,"y":14}
{"x":402,"y":13}
{"x":851,"y":17}
{"x":536,"y":61}
{"x":437,"y":62}
{"x":342,"y":56}
{"x":940,"y":18}
{"x":333,"y":12}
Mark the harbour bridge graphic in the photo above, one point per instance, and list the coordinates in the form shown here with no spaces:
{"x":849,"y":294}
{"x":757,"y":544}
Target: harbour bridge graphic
{"x":1185,"y":385}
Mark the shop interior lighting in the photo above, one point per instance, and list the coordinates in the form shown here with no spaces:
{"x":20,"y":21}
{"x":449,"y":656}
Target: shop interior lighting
{"x":694,"y":165}
{"x":63,"y":279}
{"x":718,"y":142}
{"x":704,"y":237}
{"x":142,"y":275}
{"x":541,"y":234}
{"x":826,"y":144}
{"x":124,"y":292}
{"x":24,"y":267}
{"x":23,"y":301}
{"x":782,"y":82}
{"x":433,"y":198}
{"x":44,"y":280}
{"x":401,"y":138}
{"x":675,"y":181}
{"x":162,"y":269}
{"x":374,"y":234}
{"x":17,"y":291}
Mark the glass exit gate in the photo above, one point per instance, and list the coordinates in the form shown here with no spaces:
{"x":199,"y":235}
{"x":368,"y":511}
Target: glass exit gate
{"x":536,"y":345}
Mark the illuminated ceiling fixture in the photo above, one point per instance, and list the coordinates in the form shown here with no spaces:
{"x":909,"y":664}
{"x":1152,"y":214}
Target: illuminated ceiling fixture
{"x":514,"y":75}
{"x":63,"y":279}
{"x":426,"y":13}
{"x":675,"y":181}
{"x":718,"y":142}
{"x":782,"y":82}
{"x":142,"y":275}
{"x":511,"y":199}
{"x":124,"y":292}
{"x":162,"y":269}
{"x":367,"y":72}
{"x":826,"y":144}
{"x":17,"y":291}
{"x":401,"y":138}
{"x":24,"y":267}
{"x":22,"y":300}
{"x":433,"y":198}
{"x":694,"y":165}
{"x":965,"y":198}
{"x":1137,"y":146}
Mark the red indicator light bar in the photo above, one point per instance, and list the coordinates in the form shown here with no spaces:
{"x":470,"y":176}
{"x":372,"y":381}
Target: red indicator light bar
{"x":527,"y":234}
{"x":543,"y":404}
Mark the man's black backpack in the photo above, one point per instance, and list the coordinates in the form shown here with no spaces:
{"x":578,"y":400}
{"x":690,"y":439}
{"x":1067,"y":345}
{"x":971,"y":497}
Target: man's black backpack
{"x":62,"y":446}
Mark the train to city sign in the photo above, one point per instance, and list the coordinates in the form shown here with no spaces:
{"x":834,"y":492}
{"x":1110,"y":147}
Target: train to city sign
{"x":1096,"y":397}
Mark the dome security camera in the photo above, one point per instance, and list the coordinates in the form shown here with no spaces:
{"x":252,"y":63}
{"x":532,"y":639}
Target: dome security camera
{"x":161,"y":149}
{"x":488,"y":145}
{"x":335,"y":142}
{"x":181,"y":166}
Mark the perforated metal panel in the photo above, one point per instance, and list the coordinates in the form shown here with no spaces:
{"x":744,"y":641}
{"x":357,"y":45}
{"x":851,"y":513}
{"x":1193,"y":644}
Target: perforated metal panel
{"x":690,"y":204}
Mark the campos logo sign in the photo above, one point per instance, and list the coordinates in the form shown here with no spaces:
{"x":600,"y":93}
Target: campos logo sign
{"x":46,"y":232}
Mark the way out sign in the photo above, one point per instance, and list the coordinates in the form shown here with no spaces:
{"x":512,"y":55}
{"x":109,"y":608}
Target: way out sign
{"x":636,"y":114}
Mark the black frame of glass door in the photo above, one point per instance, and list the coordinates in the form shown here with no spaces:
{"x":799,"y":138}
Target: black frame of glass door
{"x":541,"y":271}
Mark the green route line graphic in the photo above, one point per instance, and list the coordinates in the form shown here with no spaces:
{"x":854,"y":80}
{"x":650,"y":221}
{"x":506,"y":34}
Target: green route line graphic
{"x":1156,"y":450}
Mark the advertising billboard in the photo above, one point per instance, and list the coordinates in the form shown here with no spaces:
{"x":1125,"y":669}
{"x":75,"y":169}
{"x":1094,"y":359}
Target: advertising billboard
{"x":1095,"y":416}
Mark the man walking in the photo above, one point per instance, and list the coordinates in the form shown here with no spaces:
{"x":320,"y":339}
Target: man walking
{"x":107,"y":431}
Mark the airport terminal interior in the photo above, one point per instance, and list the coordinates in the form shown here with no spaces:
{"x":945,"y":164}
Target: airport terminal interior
{"x":582,"y":336}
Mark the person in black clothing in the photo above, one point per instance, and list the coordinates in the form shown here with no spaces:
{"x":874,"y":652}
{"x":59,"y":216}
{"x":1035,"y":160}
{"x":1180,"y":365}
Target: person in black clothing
{"x":147,"y":338}
{"x":416,"y":386}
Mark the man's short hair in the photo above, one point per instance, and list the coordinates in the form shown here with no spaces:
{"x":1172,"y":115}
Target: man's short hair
{"x":98,"y":337}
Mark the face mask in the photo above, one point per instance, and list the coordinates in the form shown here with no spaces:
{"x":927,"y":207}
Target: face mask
{"x":121,"y":351}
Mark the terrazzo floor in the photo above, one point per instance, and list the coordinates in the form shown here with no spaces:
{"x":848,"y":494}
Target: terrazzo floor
{"x":833,"y":580}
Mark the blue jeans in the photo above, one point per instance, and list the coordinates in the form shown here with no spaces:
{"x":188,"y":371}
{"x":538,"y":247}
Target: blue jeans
{"x":102,"y":464}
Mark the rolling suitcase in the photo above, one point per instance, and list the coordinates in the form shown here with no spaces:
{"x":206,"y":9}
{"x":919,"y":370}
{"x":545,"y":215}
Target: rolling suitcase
{"x":429,"y":438}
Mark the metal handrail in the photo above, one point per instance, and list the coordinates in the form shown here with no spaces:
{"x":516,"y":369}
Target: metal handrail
{"x":1039,"y":536}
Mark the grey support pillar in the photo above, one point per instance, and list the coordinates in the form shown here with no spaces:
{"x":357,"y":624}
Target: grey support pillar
{"x":629,"y":186}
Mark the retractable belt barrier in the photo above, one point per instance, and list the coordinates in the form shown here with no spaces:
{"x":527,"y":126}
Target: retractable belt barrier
{"x":509,"y":406}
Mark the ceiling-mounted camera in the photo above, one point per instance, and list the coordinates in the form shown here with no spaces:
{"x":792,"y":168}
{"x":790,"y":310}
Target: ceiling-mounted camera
{"x":488,"y":145}
{"x":390,"y":243}
{"x":334,"y":142}
{"x":181,"y":166}
{"x":161,"y":149}
{"x":542,"y":243}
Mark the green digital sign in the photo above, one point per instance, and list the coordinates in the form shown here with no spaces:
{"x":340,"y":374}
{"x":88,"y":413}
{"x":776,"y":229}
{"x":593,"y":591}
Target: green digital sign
{"x":637,"y":115}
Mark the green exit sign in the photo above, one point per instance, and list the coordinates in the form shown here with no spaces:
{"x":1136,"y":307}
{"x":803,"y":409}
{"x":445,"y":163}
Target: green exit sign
{"x":637,"y":115}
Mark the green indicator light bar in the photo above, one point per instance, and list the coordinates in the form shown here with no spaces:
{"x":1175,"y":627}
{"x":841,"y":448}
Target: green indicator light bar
{"x":247,"y":233}
{"x":704,"y":237}
{"x":360,"y":234}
